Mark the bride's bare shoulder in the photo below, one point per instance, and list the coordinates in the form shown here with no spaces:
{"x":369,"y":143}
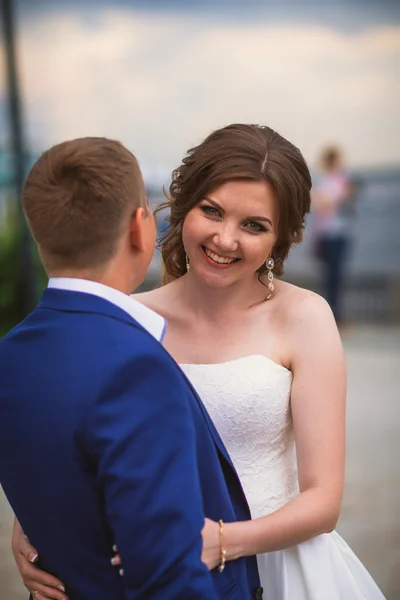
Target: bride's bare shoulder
{"x":302,"y":305}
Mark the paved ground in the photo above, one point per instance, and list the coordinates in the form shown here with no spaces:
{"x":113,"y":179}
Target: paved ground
{"x":370,"y":520}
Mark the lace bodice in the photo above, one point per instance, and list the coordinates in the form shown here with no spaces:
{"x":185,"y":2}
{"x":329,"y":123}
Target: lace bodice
{"x":249,"y":401}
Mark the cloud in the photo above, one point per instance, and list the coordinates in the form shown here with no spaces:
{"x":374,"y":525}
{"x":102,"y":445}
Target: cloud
{"x":160,"y":83}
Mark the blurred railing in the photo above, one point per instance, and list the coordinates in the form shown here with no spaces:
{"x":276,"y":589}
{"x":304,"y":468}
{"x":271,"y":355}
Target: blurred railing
{"x":372,"y":291}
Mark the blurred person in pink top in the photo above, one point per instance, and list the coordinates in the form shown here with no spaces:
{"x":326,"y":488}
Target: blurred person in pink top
{"x":333,"y":200}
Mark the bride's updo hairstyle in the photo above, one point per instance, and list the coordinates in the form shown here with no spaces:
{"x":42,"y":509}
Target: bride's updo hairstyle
{"x":249,"y":152}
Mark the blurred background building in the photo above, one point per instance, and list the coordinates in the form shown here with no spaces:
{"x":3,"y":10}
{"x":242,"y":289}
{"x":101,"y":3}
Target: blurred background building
{"x":159,"y":75}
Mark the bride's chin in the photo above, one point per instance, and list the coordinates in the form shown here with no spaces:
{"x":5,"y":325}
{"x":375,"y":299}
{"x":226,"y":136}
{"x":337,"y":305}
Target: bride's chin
{"x":217,"y":280}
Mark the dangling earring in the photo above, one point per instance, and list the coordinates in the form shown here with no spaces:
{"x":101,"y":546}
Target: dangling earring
{"x":270,"y":265}
{"x":187,"y":263}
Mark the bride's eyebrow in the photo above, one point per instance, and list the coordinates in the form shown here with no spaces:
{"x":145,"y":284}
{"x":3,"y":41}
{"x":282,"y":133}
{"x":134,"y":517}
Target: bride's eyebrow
{"x":218,"y":207}
{"x":266,"y":219}
{"x":215,"y":204}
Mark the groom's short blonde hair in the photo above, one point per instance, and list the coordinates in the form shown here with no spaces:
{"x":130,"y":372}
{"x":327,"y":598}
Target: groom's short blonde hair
{"x":77,"y":198}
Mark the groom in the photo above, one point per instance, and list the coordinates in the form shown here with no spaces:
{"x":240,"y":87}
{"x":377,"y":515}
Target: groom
{"x":102,"y":439}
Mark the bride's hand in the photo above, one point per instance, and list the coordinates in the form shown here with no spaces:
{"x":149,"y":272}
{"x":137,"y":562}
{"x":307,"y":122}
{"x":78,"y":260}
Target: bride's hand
{"x":34,"y":579}
{"x":211,"y":554}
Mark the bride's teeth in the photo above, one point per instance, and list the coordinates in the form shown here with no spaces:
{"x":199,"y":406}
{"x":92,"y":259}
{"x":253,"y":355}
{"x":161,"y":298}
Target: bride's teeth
{"x":218,"y":259}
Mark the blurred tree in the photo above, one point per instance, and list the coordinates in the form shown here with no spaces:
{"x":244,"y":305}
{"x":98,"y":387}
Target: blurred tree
{"x":23,"y":262}
{"x":10,"y":313}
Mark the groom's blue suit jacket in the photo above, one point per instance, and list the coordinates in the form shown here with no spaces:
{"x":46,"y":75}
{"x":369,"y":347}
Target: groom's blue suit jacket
{"x":94,"y":415}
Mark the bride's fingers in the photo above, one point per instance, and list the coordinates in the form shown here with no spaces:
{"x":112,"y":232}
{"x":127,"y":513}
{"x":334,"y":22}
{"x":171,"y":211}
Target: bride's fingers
{"x":39,"y":596}
{"x":45,"y":592}
{"x":26,"y":549}
{"x":36,"y":579}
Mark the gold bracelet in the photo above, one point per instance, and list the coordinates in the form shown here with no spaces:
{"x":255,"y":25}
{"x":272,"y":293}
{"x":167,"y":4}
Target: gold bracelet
{"x":221,"y":566}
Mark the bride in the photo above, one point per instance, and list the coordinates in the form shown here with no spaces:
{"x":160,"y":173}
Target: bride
{"x":265,"y":357}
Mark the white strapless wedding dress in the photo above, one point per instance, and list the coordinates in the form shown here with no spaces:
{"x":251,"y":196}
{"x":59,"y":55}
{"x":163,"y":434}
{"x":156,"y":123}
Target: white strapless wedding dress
{"x":249,"y":401}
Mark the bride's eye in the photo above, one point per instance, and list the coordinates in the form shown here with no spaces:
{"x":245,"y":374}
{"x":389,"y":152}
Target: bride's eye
{"x":254,"y":226}
{"x":210,"y":210}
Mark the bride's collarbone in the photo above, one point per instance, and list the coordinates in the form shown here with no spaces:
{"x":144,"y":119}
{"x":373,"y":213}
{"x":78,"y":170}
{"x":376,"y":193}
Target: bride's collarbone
{"x":219,"y":348}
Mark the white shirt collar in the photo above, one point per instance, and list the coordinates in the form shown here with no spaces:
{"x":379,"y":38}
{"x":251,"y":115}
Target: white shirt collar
{"x":154,"y":323}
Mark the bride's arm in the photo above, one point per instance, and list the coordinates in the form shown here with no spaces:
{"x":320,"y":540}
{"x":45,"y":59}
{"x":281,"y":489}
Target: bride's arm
{"x":318,"y":408}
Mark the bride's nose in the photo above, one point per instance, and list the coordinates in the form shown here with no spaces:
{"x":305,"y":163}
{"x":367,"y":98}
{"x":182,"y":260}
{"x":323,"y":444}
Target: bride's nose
{"x":226,"y":239}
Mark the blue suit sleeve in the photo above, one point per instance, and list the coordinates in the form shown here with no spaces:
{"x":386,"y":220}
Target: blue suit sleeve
{"x":142,"y":438}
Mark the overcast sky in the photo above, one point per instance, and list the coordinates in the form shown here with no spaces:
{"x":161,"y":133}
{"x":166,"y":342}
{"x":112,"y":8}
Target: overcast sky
{"x":160,"y":75}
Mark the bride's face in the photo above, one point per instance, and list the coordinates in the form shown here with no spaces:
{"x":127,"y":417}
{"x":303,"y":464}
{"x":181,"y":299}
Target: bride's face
{"x":231,"y":232}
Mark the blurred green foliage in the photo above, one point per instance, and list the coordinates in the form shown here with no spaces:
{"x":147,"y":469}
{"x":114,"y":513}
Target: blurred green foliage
{"x":10,"y":267}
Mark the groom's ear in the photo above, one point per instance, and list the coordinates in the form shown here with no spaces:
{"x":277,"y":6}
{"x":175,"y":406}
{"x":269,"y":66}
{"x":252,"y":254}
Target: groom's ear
{"x":137,"y":230}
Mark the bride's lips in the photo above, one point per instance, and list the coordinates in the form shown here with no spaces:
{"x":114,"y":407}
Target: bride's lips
{"x":215,"y":264}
